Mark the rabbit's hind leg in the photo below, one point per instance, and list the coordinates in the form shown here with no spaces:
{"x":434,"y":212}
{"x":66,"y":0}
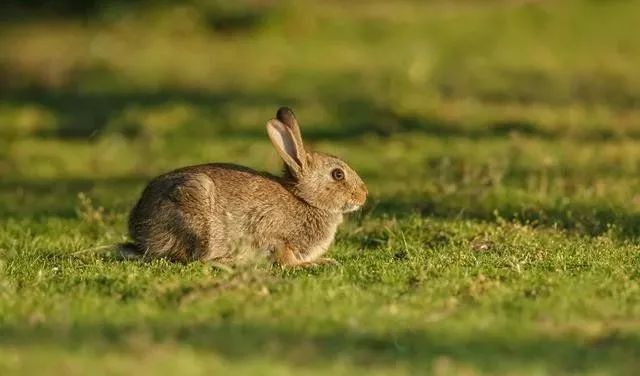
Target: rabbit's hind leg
{"x":196,"y":229}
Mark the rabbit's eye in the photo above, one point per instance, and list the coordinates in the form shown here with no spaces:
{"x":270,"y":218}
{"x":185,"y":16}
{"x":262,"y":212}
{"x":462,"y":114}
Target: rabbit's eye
{"x":337,"y":174}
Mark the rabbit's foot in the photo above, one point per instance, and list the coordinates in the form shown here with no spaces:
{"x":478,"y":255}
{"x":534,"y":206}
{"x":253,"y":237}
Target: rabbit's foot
{"x":287,"y":258}
{"x":326,"y":261}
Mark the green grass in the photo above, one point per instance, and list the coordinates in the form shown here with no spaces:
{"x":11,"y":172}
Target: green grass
{"x":500,"y":143}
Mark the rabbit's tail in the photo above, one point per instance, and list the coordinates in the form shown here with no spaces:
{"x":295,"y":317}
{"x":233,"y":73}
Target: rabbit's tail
{"x":129,"y":251}
{"x":125,"y":251}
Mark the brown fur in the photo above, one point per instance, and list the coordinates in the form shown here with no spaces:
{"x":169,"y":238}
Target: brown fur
{"x":204,"y":212}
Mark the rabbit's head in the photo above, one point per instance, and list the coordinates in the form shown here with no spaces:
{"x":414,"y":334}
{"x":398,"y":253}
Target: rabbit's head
{"x":320,"y":179}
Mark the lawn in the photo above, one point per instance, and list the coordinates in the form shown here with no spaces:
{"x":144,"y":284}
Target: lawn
{"x":500,"y":141}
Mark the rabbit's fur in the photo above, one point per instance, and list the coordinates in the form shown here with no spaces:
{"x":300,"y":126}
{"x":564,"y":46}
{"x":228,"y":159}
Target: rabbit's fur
{"x":203,"y":212}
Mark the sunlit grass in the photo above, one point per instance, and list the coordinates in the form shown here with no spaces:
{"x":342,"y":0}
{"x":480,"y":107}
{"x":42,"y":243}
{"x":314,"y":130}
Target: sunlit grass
{"x":500,"y":143}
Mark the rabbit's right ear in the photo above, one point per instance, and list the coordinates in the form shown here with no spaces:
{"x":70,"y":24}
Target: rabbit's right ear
{"x":286,"y":143}
{"x":286,"y":116}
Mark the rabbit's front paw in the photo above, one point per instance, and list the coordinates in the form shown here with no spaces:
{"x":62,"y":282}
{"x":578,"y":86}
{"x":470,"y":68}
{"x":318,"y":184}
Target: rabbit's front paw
{"x":326,"y":261}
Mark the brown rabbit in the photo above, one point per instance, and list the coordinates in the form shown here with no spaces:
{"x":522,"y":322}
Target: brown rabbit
{"x":202,"y":212}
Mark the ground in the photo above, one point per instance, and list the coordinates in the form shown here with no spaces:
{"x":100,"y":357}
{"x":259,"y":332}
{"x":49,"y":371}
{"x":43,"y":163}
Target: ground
{"x":500,"y":142}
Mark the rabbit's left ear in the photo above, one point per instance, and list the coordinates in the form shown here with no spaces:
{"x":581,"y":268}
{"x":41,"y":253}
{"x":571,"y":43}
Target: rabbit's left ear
{"x":286,"y":143}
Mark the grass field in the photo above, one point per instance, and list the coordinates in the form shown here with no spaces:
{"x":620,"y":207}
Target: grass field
{"x":500,"y":141}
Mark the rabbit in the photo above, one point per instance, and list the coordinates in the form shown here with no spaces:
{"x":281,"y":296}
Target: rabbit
{"x":202,"y":212}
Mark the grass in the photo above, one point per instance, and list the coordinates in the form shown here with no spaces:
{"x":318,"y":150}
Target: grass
{"x":500,"y":143}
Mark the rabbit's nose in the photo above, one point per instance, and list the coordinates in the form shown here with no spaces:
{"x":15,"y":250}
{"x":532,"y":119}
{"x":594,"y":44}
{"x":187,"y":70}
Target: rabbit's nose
{"x":362,"y":195}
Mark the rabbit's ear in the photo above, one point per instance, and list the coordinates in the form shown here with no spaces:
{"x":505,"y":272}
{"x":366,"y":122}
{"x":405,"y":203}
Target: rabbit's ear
{"x":284,"y":139}
{"x":286,"y":116}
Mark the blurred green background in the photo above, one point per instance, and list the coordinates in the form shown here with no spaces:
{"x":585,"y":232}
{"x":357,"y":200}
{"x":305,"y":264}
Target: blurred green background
{"x":500,"y":141}
{"x":544,"y":93}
